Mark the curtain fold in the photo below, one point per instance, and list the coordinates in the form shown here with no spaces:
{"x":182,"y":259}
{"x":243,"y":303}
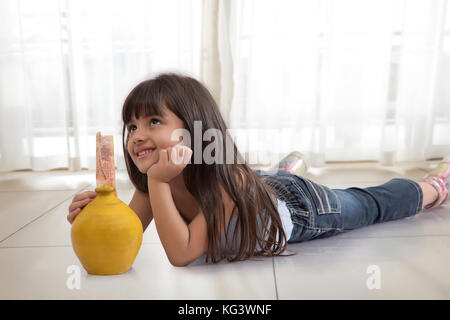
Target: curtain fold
{"x":210,"y":65}
{"x":421,"y":58}
{"x":341,"y":80}
{"x":66,"y":67}
{"x":345,"y":80}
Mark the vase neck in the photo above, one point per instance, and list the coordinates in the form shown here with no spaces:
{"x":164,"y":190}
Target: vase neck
{"x":106,"y":191}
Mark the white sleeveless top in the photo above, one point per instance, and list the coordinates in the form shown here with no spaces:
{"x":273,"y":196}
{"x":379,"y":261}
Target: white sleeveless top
{"x":285,"y":216}
{"x":285,"y":220}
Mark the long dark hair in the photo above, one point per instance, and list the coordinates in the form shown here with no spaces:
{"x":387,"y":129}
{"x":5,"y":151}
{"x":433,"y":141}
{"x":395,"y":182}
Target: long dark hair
{"x":190,"y":101}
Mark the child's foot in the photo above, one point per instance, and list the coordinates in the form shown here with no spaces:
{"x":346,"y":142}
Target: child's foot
{"x":293,"y":163}
{"x":439,"y":178}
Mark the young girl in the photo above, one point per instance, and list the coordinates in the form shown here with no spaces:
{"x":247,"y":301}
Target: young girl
{"x":229,"y":210}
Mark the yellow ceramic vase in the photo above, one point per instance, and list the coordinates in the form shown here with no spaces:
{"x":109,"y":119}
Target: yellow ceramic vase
{"x":106,"y":234}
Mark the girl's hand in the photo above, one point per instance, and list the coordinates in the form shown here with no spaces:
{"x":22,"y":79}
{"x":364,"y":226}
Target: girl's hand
{"x":78,"y":203}
{"x":170,"y":164}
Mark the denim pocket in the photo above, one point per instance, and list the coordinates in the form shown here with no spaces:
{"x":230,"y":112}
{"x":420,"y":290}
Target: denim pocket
{"x":326,"y":219}
{"x":325,"y":199}
{"x":289,"y":192}
{"x":315,"y":209}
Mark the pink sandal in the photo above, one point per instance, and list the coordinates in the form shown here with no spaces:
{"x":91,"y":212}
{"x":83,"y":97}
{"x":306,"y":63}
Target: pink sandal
{"x":439,"y":178}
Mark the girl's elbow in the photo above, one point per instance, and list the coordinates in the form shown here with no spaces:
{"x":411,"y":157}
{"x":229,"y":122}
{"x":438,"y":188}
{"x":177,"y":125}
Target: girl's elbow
{"x":184,"y":258}
{"x":181,"y":261}
{"x":178,"y":263}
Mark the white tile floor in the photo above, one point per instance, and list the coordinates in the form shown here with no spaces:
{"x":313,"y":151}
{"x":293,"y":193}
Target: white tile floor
{"x":412,"y":255}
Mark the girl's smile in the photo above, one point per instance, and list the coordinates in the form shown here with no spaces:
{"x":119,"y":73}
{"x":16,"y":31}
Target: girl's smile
{"x":144,"y":152}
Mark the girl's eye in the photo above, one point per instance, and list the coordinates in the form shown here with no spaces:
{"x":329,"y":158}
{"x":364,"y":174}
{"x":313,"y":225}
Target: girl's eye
{"x":132,"y":127}
{"x":152,"y":121}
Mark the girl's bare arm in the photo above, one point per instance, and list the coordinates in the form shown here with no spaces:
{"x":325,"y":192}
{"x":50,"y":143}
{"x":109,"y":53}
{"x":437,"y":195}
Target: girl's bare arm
{"x":172,"y":230}
{"x":183,"y":243}
{"x":140,"y":204}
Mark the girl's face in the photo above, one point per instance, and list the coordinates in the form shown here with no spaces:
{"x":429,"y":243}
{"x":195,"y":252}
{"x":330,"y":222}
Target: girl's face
{"x":148,"y":135}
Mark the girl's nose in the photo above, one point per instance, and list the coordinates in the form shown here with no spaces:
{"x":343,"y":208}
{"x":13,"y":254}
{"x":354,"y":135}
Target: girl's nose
{"x":138,"y":136}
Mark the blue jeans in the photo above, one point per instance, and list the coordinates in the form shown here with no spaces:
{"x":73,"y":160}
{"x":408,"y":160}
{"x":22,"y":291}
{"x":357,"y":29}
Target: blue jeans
{"x":318,"y":211}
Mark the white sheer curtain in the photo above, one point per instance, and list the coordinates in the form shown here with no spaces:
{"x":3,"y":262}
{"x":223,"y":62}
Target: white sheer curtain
{"x":339,"y":80}
{"x":66,"y":67}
